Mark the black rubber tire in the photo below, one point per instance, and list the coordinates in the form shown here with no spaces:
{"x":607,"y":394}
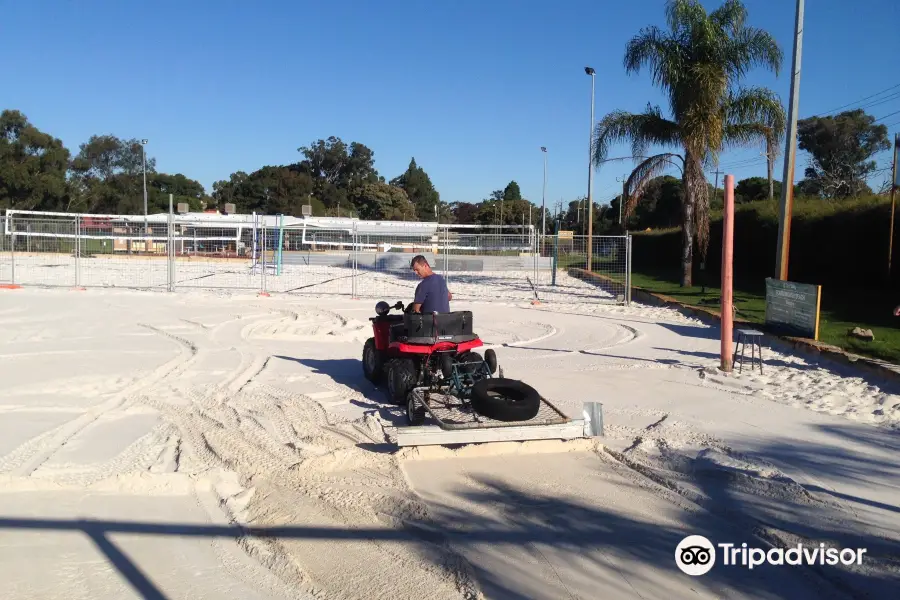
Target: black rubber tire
{"x":401,"y":373}
{"x":468,"y":362}
{"x":515,"y":400}
{"x":373,"y":362}
{"x":415,"y":414}
{"x":490,"y":357}
{"x":446,"y":362}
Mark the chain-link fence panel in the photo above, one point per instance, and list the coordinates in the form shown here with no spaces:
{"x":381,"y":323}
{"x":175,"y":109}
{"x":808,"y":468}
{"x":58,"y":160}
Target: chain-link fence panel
{"x":41,"y":250}
{"x":307,"y":260}
{"x":490,"y":266}
{"x":115,"y":251}
{"x":569,"y":278}
{"x":5,"y":254}
{"x":334,"y":257}
{"x":211,"y":255}
{"x":384,"y":264}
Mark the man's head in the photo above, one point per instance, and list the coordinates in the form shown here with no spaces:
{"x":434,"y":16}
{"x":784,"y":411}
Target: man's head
{"x":420,"y":265}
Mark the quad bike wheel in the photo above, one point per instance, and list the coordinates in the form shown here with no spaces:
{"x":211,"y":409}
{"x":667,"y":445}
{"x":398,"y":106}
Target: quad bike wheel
{"x":490,"y":357}
{"x":468,"y":361}
{"x":415,"y":414}
{"x":401,"y":375}
{"x":505,"y":399}
{"x":373,"y":362}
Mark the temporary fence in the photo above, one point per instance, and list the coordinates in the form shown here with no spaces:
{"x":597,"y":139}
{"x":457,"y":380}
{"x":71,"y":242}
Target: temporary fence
{"x":275,"y":254}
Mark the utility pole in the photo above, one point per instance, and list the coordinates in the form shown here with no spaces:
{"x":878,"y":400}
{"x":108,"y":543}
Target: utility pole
{"x":771,"y":153}
{"x":894,"y":184}
{"x":716,"y":186}
{"x":590,"y":197}
{"x":790,"y":145}
{"x":622,"y":197}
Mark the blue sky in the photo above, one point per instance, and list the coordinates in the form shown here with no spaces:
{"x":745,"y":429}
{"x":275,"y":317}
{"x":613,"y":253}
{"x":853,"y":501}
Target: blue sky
{"x":471,"y":88}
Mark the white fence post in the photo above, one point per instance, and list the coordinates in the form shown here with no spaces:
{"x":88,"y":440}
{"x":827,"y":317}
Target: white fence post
{"x":12,"y":249}
{"x":264,"y":225}
{"x":170,"y":247}
{"x":77,"y":251}
{"x":628,"y":240}
{"x":356,"y":262}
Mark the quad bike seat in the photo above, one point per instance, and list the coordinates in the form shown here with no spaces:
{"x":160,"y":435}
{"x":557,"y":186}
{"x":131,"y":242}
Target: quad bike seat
{"x":455,"y":327}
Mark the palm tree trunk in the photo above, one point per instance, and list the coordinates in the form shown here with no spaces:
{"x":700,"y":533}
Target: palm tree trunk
{"x":693,"y":182}
{"x":687,"y":236}
{"x":770,"y":163}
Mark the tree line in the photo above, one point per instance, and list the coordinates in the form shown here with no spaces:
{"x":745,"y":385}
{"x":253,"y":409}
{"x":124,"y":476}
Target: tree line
{"x":37,"y":172}
{"x":106,"y":175}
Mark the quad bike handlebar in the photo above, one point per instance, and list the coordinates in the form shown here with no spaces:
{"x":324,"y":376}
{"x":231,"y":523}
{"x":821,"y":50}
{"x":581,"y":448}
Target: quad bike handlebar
{"x":383,"y":308}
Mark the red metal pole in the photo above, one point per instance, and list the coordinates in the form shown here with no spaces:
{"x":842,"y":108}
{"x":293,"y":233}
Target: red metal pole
{"x":727,"y":274}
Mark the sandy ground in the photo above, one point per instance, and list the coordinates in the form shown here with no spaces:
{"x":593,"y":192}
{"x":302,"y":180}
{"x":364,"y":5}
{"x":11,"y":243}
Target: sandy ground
{"x":151,"y":273}
{"x":216,"y":445}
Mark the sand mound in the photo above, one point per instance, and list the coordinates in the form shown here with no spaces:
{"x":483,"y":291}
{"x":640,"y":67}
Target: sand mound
{"x":796,"y":381}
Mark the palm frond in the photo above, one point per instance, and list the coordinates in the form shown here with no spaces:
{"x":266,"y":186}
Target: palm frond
{"x":750,"y":48}
{"x":731,"y":16}
{"x":745,"y":134}
{"x":645,"y":129}
{"x":756,"y":105}
{"x":637,"y":182}
{"x":655,"y":49}
{"x":753,"y":115}
{"x":682,"y":16}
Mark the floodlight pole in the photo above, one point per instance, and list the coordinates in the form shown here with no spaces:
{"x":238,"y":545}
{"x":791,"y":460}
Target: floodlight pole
{"x":544,"y":195}
{"x":590,"y":71}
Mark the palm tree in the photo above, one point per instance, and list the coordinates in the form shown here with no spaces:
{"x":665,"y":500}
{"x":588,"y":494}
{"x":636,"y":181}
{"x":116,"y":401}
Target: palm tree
{"x":698,"y":63}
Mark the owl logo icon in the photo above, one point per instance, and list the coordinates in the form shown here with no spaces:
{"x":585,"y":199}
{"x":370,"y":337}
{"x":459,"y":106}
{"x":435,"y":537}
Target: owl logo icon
{"x":695,"y":555}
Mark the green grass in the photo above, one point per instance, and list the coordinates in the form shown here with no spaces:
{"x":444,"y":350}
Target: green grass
{"x":840,"y":312}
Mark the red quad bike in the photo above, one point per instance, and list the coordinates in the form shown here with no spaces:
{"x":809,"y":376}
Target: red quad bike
{"x":435,"y":351}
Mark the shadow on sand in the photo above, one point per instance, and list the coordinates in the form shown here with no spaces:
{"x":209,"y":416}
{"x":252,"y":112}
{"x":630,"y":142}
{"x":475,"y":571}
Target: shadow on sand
{"x":348,"y":372}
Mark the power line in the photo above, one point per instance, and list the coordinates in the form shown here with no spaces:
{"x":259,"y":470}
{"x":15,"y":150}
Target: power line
{"x":744,"y":162}
{"x":752,"y":161}
{"x":896,"y":112}
{"x":854,"y":102}
{"x":881,"y":101}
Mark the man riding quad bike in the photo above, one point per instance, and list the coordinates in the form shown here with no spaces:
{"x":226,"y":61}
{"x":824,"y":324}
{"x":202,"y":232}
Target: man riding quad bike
{"x":435,"y":351}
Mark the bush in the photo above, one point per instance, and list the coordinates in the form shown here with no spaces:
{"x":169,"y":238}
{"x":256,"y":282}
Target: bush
{"x":833,"y":243}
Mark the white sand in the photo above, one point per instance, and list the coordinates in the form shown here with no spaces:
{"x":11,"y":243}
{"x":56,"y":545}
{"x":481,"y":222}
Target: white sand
{"x":206,"y":411}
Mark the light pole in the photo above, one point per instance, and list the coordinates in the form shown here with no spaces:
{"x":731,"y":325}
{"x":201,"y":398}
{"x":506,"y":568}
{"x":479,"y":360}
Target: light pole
{"x":144,"y":161}
{"x":544,"y":195}
{"x":590,"y":71}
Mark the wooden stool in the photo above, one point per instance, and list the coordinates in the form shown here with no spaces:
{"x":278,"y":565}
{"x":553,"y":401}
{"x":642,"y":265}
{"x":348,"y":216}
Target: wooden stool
{"x":754,"y":336}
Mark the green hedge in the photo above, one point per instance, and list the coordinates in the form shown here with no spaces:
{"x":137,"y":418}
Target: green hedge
{"x":833,"y":243}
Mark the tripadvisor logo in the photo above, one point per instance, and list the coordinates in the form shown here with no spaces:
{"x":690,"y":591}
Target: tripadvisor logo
{"x":695,"y":555}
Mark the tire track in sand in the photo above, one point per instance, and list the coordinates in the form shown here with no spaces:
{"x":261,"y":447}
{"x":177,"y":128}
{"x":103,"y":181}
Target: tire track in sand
{"x":24,"y":464}
{"x":315,"y":471}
